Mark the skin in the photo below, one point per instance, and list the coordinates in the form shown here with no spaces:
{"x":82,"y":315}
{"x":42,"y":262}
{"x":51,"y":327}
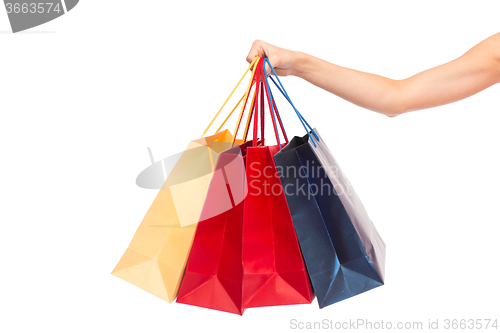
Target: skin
{"x":476,"y":70}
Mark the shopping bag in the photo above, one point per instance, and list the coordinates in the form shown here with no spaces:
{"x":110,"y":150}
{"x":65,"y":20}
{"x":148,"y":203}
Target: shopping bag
{"x":156,"y":258}
{"x":343,"y":251}
{"x":214,"y":270}
{"x":230,"y":268}
{"x":273,"y":269}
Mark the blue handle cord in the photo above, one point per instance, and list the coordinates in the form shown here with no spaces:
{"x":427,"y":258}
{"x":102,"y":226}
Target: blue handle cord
{"x":280,"y":87}
{"x":274,"y":108}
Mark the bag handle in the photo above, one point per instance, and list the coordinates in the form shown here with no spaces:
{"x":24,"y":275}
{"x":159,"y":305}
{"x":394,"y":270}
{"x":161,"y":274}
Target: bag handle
{"x":258,"y":85}
{"x":285,"y":94}
{"x":230,"y":114}
{"x":261,"y":77}
{"x":227,"y":99}
{"x":249,"y":118}
{"x":277,"y":112}
{"x":273,"y":109}
{"x":262,"y":116}
{"x":250,"y":84}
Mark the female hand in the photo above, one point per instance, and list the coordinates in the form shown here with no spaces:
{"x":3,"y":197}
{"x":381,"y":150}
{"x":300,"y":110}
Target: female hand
{"x":282,"y":60}
{"x":474,"y":71}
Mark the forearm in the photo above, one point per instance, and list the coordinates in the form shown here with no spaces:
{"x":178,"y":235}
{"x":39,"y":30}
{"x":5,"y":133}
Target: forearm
{"x":473,"y":72}
{"x":476,"y":70}
{"x":370,"y":91}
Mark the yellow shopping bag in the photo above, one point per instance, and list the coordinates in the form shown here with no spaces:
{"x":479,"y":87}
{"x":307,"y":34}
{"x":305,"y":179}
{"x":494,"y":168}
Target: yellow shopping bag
{"x":156,"y":257}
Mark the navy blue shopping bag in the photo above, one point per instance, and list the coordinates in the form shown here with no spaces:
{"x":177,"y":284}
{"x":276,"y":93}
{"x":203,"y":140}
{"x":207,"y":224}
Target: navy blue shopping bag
{"x":342,"y":250}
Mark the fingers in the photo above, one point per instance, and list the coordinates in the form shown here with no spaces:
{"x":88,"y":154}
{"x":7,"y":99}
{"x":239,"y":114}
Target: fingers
{"x":262,"y":49}
{"x":257,"y":49}
{"x":279,"y":58}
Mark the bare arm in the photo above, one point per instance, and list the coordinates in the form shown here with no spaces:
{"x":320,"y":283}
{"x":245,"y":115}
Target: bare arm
{"x":474,"y":71}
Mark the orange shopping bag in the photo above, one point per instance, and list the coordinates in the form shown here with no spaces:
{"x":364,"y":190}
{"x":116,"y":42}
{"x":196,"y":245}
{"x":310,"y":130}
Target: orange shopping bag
{"x":156,"y":257}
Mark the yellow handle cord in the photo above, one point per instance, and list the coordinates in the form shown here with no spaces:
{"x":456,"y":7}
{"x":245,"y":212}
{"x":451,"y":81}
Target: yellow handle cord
{"x":229,"y":116}
{"x":249,"y":115}
{"x":246,"y":94}
{"x":232,"y":92}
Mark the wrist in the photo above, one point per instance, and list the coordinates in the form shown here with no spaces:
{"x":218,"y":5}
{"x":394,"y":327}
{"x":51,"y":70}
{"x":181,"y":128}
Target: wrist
{"x":300,"y":61}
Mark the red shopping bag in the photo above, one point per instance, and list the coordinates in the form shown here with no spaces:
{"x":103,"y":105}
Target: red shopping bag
{"x":248,"y":256}
{"x":273,"y":269}
{"x":214,"y":271}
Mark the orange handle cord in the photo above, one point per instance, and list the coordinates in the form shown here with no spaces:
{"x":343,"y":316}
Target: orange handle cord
{"x":232,"y":92}
{"x":231,"y":113}
{"x":250,"y":84}
{"x":249,"y":119}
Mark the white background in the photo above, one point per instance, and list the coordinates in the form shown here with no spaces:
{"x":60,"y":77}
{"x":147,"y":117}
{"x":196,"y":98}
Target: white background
{"x":83,"y":96}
